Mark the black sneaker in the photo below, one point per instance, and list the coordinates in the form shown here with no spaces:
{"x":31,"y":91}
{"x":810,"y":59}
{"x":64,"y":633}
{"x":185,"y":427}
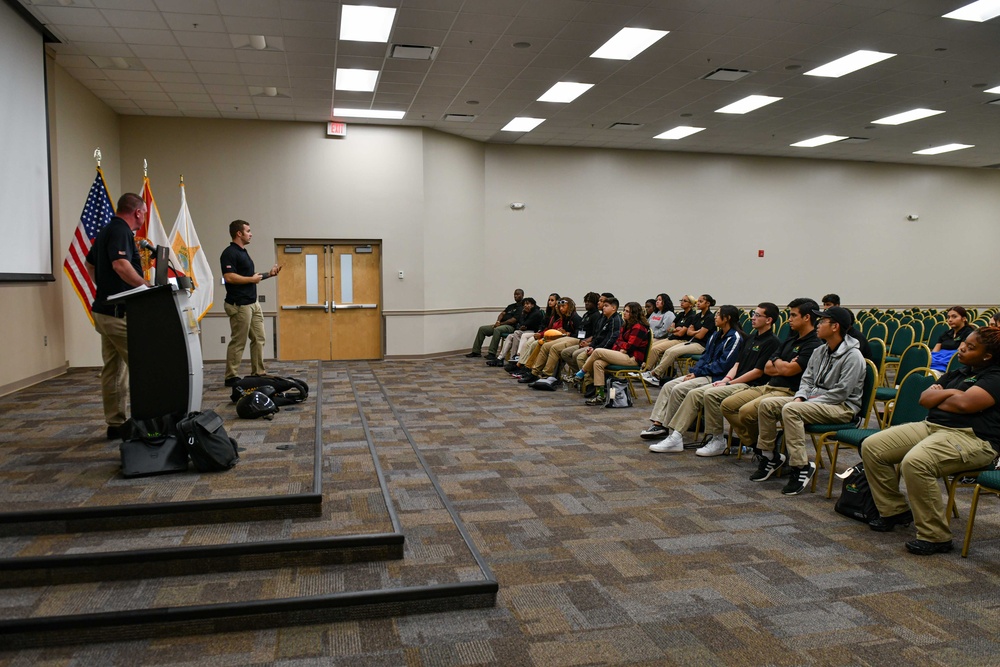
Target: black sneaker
{"x":510,"y":366}
{"x":654,"y":432}
{"x":491,"y":357}
{"x":925,"y":548}
{"x":767,"y":467}
{"x":799,"y":478}
{"x":527,"y":378}
{"x":473,"y":355}
{"x":114,"y":432}
{"x":231,"y":382}
{"x":596,"y":399}
{"x":884,"y":524}
{"x":591,"y":390}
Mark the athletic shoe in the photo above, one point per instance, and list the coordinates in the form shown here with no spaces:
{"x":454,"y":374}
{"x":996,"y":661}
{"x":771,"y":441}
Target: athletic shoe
{"x":473,"y":355}
{"x":672,"y":443}
{"x":799,"y":478}
{"x":767,"y":467}
{"x":649,"y":378}
{"x":590,"y":392}
{"x":491,"y":356}
{"x":925,"y":548}
{"x":884,"y":524}
{"x":231,"y":382}
{"x":714,"y":447}
{"x":528,"y":378}
{"x":654,"y":432}
{"x":510,"y":366}
{"x":579,"y":375}
{"x":114,"y":432}
{"x":597,"y":399}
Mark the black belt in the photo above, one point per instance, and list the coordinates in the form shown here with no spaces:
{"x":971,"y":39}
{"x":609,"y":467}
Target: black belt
{"x":115,"y":311}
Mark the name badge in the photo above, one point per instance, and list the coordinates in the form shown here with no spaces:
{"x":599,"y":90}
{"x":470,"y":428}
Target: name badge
{"x":581,"y":334}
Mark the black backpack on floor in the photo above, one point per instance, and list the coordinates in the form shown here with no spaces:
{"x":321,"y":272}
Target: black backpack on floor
{"x":856,"y":499}
{"x":209,"y":446}
{"x":151,"y":447}
{"x":287,"y":390}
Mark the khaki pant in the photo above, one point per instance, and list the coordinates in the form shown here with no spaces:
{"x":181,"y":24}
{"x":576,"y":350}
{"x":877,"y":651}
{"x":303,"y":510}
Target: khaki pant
{"x":495,"y":334}
{"x":925,"y":453}
{"x":574,"y":357}
{"x":794,"y":416}
{"x":671,"y":397}
{"x":657,"y":350}
{"x":740,"y":410}
{"x":114,"y":373}
{"x":672,"y":354}
{"x":708,"y":397}
{"x":549,"y":355}
{"x":245,"y":322}
{"x":601,"y":359}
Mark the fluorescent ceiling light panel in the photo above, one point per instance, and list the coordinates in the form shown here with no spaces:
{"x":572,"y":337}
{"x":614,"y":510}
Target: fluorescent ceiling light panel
{"x":366,"y":24}
{"x":522,"y":124}
{"x":368,"y":113}
{"x":993,"y":90}
{"x":628,"y":43}
{"x":907,"y":117}
{"x":564,"y":92}
{"x":679,"y":132}
{"x":748,"y":104}
{"x":947,"y":148}
{"x":849,"y":63}
{"x":980,"y":11}
{"x":818,"y":141}
{"x":357,"y":79}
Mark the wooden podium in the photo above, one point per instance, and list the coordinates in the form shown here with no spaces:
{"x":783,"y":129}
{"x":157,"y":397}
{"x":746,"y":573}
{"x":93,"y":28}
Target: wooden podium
{"x":164,"y":351}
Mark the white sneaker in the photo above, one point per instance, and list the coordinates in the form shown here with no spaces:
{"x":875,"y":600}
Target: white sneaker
{"x":673,"y":443}
{"x":649,"y":378}
{"x":714,"y":447}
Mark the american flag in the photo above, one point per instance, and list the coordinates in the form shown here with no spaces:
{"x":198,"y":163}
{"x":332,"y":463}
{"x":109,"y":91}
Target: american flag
{"x":96,"y":214}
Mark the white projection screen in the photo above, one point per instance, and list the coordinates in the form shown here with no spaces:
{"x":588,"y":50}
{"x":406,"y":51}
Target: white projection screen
{"x":25,"y":194}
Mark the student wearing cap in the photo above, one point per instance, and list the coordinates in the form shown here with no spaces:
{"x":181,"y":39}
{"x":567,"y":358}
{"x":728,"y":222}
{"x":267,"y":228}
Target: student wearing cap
{"x":830,"y":393}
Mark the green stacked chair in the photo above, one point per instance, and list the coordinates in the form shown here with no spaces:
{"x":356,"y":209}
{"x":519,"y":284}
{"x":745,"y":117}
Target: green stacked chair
{"x":917,"y":355}
{"x":877,"y":346}
{"x":936,"y":332}
{"x":783,"y":331}
{"x":878,"y":330}
{"x":989,"y":482}
{"x":902,"y":339}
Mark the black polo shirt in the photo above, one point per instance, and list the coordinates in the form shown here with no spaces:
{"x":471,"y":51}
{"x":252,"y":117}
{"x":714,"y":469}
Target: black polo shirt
{"x":512,"y":312}
{"x":985,"y":424}
{"x":795,"y":346}
{"x":237,"y":260}
{"x":686,"y":320}
{"x":116,"y":241}
{"x":950,"y":339}
{"x":756,"y":352}
{"x":591,"y":320}
{"x":531,"y":321}
{"x":706,"y":321}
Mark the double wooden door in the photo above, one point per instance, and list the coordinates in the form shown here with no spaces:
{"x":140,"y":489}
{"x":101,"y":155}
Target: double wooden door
{"x":329,"y":301}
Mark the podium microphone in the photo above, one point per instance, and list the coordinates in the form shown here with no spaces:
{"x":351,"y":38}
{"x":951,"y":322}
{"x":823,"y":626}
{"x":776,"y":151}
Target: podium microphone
{"x":146,"y":245}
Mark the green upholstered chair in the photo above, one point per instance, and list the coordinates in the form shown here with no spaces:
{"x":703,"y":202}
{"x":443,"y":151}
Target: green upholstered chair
{"x":989,"y":482}
{"x":917,"y":355}
{"x":902,"y":339}
{"x":631,"y":372}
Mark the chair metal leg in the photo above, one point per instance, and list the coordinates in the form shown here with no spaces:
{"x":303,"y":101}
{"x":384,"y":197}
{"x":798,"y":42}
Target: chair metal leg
{"x":833,"y":468}
{"x":972,"y":520}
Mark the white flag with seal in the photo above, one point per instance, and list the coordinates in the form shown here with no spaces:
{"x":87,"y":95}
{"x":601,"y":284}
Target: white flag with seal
{"x":193,"y":261}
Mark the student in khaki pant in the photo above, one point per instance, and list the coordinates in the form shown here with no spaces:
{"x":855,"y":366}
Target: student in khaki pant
{"x":961,"y":432}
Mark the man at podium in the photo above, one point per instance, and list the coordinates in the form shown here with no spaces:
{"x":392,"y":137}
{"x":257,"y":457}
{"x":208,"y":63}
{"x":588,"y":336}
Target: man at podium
{"x":246,"y":320}
{"x":114,"y":265}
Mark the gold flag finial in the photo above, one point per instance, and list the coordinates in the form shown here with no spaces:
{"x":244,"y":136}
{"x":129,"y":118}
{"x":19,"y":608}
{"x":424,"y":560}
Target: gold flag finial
{"x":145,"y":167}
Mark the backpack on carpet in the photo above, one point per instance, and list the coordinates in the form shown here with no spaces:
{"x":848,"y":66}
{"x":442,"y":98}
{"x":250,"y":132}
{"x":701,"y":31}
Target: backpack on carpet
{"x":152,"y":447}
{"x":287,"y":390}
{"x":210,"y":447}
{"x":617,"y":394}
{"x":856,"y":499}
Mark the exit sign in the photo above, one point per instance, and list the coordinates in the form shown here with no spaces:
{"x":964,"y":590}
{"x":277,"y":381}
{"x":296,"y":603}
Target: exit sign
{"x":334,"y":129}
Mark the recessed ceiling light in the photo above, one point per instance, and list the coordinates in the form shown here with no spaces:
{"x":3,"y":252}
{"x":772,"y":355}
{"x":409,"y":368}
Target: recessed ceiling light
{"x":947,"y":148}
{"x":907,"y":116}
{"x":980,"y":11}
{"x":368,"y":113}
{"x":849,"y":63}
{"x":818,"y":141}
{"x":628,"y":43}
{"x":748,"y":104}
{"x":993,"y":90}
{"x":564,"y":91}
{"x":366,"y":24}
{"x":522,"y":124}
{"x":357,"y":79}
{"x":679,"y":132}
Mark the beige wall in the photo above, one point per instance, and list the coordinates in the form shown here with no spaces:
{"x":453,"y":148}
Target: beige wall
{"x":635,"y":223}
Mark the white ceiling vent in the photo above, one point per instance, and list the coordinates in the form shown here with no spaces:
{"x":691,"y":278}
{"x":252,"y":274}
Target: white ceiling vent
{"x":412,"y":52}
{"x":726,"y":74}
{"x":855,"y":140}
{"x":625,"y":126}
{"x":460,"y":117}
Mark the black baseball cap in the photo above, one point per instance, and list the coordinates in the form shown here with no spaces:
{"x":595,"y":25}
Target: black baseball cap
{"x":841,"y":316}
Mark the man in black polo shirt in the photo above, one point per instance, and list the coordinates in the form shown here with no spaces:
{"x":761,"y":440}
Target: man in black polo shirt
{"x":505,"y":324}
{"x":246,"y":320}
{"x":114,"y":265}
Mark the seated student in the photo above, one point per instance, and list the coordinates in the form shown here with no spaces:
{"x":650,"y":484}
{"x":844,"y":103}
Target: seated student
{"x":697,"y":334}
{"x":784,"y":370}
{"x":552,"y":320}
{"x":629,"y":348}
{"x":605,"y":335}
{"x":504,"y":325}
{"x":830,"y":393}
{"x":661,"y":320}
{"x":677,"y":334}
{"x":528,"y":321}
{"x":547,"y":361}
{"x":649,"y":307}
{"x":515,"y":342}
{"x":748,"y":372}
{"x":948,"y":342}
{"x":721,"y":351}
{"x":568,"y":326}
{"x":961,"y":432}
{"x":832,"y":300}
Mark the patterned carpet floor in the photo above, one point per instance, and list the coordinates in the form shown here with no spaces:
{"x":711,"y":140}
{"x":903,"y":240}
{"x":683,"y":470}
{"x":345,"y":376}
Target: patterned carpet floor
{"x":604,"y":552}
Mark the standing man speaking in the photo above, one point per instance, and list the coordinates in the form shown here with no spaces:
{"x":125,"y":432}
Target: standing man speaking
{"x":246,"y":320}
{"x":114,"y":266}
